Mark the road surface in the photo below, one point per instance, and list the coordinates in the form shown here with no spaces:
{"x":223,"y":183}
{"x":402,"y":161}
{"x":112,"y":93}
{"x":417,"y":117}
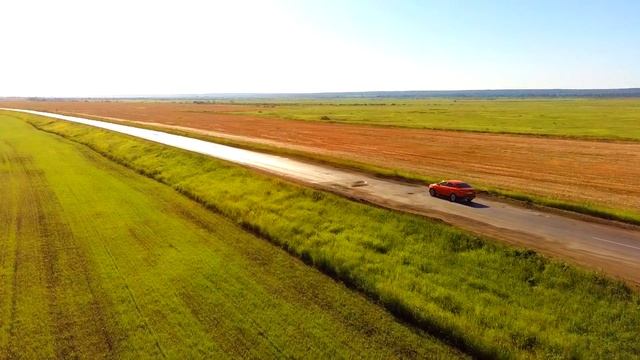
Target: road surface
{"x":594,"y":243}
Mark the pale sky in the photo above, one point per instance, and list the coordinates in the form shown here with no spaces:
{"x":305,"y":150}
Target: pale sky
{"x":115,"y":48}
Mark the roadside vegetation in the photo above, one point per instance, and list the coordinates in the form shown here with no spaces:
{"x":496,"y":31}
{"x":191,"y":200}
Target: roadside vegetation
{"x":614,"y":119}
{"x":489,"y":300}
{"x":97,"y":261}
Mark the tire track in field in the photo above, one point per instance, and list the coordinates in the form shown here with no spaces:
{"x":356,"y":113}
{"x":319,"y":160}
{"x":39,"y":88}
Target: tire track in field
{"x":76,"y":326}
{"x":6,"y":220}
{"x":14,"y":290}
{"x":60,"y":244}
{"x":23,"y":263}
{"x":133,"y":299}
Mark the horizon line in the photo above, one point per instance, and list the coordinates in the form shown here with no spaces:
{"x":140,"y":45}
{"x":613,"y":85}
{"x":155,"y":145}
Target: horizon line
{"x":338,"y":93}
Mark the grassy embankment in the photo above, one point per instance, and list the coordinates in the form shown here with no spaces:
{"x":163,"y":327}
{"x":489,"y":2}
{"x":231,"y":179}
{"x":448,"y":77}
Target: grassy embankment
{"x":492,"y":301}
{"x":613,"y":119}
{"x":592,"y":209}
{"x":98,"y":261}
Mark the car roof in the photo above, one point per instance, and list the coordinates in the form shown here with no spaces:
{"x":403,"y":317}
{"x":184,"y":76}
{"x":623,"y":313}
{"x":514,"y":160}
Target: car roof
{"x":455,"y":181}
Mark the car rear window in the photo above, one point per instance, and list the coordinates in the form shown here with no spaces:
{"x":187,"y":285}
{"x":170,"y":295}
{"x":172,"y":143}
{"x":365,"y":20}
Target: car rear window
{"x":464,"y":186}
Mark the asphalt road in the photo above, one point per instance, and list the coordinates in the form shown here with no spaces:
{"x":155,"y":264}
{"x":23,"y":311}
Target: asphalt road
{"x":594,"y":243}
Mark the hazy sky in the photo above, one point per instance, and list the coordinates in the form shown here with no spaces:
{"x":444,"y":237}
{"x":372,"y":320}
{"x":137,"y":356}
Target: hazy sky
{"x":102,"y":48}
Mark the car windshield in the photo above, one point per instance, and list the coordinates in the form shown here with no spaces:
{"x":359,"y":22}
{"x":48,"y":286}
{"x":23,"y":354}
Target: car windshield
{"x":464,"y":186}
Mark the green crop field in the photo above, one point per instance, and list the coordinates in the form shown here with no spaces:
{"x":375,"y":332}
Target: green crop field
{"x":99,"y":261}
{"x":589,"y":118}
{"x":489,"y":300}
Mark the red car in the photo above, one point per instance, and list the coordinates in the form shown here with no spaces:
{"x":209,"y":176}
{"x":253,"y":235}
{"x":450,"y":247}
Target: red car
{"x":454,"y":190}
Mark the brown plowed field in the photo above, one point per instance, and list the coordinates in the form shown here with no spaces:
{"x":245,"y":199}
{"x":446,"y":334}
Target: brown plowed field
{"x":606,"y":173}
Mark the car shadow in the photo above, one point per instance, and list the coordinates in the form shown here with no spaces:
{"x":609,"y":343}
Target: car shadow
{"x":476,"y":205}
{"x":472,"y":204}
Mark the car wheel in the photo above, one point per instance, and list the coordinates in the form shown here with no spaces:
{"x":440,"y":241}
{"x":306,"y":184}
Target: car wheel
{"x":432,"y":192}
{"x":453,"y":198}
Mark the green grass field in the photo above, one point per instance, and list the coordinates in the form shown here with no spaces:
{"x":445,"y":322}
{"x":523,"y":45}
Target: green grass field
{"x":490,"y":300}
{"x":588,"y":118}
{"x":99,"y":261}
